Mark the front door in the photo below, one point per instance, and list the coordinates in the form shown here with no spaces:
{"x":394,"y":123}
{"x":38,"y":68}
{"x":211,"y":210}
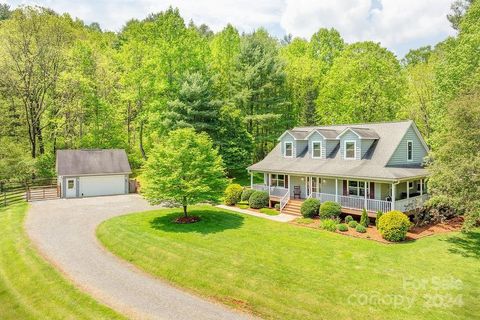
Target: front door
{"x":312,"y":185}
{"x":71,"y":188}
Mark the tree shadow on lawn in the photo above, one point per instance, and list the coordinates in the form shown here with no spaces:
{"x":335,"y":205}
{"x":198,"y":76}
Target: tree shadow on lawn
{"x":466,"y":245}
{"x":210,"y":222}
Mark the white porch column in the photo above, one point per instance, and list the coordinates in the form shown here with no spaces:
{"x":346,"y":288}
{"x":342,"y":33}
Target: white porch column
{"x":269,"y":183}
{"x":251,"y":180}
{"x":365,"y":195}
{"x":336,"y":189}
{"x":408,"y":189}
{"x":393,"y":196}
{"x":421,"y":187}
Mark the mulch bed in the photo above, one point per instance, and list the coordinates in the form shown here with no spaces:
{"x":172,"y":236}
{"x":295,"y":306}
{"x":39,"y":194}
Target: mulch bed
{"x":372,"y":233}
{"x":185,"y":220}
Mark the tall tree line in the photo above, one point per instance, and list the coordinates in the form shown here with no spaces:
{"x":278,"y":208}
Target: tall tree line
{"x":65,"y":84}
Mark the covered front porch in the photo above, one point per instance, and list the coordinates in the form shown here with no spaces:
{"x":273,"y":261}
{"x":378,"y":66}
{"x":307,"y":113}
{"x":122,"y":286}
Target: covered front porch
{"x":352,"y":194}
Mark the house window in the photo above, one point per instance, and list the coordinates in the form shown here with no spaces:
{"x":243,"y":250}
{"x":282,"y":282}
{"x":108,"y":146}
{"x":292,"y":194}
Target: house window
{"x":356,"y":188}
{"x":410,"y":185}
{"x":288,"y":149}
{"x":350,"y":149}
{"x":316,"y":149}
{"x":409,"y":150}
{"x":70,"y":184}
{"x":278,"y":180}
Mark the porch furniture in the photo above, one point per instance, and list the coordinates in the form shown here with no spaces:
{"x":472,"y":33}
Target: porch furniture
{"x":296,"y":192}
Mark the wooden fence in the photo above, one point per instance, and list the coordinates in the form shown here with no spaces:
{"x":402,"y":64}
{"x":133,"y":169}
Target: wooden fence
{"x":39,"y":189}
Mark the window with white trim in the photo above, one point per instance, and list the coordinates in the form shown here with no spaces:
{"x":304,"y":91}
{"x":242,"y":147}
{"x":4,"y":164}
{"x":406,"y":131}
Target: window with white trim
{"x":316,"y":149}
{"x":410,"y":185}
{"x":409,"y":150}
{"x":70,"y":184}
{"x":356,"y":188}
{"x":278,"y":180}
{"x":288,"y":149}
{"x":350,"y":150}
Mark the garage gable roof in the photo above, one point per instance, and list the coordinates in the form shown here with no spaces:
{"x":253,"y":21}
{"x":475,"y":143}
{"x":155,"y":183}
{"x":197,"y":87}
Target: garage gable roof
{"x":92,"y":161}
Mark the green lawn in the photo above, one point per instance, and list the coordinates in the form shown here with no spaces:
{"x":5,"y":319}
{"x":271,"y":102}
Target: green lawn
{"x":29,"y":287}
{"x":284,"y":271}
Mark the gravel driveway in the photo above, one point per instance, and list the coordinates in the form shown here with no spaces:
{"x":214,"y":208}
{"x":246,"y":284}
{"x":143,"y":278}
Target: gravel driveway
{"x":64,"y":232}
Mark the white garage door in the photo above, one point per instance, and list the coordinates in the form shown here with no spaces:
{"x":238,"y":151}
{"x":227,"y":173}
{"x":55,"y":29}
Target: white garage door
{"x":102,"y":185}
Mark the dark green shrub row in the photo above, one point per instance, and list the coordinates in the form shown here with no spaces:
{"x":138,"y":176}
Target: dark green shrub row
{"x":246,"y":194}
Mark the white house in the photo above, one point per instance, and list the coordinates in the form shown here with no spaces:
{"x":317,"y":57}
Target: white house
{"x":94,"y":172}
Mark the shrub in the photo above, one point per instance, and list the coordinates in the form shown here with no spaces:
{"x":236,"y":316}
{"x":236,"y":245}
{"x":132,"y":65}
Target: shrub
{"x":342,"y":227}
{"x":379,"y":214}
{"x":352,"y":224}
{"x":330,"y":209}
{"x":393,"y":226}
{"x":233,"y":193}
{"x":258,"y":200}
{"x":310,"y":208}
{"x":348,"y":219}
{"x":277,"y":206}
{"x":360,"y":228}
{"x":328,"y":224}
{"x":364,"y":220}
{"x":246,"y":194}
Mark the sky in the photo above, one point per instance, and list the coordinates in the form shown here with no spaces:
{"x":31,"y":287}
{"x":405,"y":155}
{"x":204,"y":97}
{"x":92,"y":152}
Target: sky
{"x":399,"y":25}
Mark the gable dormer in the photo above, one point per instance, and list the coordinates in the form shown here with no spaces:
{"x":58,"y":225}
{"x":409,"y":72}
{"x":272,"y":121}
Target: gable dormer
{"x":321,"y":143}
{"x":293,"y":143}
{"x":355,"y":142}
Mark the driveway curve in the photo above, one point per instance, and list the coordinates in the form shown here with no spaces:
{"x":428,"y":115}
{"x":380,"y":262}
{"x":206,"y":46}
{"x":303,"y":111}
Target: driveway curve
{"x":64,"y":233}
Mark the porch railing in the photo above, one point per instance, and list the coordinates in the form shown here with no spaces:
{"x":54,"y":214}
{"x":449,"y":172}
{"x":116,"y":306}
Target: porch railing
{"x":272,"y":191}
{"x":379,"y":205}
{"x":354,"y":202}
{"x":411,"y":203}
{"x":284,"y":200}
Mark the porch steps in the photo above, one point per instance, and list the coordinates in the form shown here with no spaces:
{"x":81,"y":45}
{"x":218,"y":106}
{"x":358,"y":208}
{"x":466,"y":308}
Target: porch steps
{"x":293,"y":207}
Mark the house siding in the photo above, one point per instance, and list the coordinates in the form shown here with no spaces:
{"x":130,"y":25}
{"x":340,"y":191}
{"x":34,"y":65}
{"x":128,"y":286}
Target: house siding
{"x":288,"y":138}
{"x":399,"y":157}
{"x":365,"y":146}
{"x":351,"y":137}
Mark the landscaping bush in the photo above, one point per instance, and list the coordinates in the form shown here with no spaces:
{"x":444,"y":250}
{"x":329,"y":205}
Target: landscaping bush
{"x":328,"y":224}
{"x":360,"y":228}
{"x":348,"y":219}
{"x":277,"y":206}
{"x":352,"y":224}
{"x":379,"y":214}
{"x":342,"y":227}
{"x":246,"y":194}
{"x":258,"y":200}
{"x":330,"y":209}
{"x":310,"y":208}
{"x":393,"y":226}
{"x":364,"y":220}
{"x":233,"y":193}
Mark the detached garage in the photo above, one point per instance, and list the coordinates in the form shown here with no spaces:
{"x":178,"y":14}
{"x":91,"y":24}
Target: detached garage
{"x":91,"y":173}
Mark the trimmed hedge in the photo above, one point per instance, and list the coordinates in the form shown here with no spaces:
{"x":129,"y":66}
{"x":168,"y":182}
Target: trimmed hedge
{"x":348,"y":219}
{"x":393,"y":226}
{"x":246,"y":194}
{"x":342,"y":227}
{"x":330,"y":209}
{"x":258,"y":200}
{"x":352,"y":224}
{"x":329,"y":225}
{"x":310,"y":207}
{"x":360,"y":228}
{"x":233,"y":193}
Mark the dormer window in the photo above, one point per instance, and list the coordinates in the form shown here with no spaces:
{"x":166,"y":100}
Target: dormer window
{"x":409,"y":150}
{"x":316,"y":149}
{"x":350,"y":150}
{"x":288,"y":149}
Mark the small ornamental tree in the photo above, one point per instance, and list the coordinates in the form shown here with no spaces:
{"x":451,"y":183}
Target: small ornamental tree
{"x":364,"y":219}
{"x":184,"y":168}
{"x":233,"y":193}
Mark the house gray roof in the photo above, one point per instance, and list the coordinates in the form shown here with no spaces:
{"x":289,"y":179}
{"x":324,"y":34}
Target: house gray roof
{"x":298,"y":134}
{"x":92,"y":161}
{"x":373,"y":166}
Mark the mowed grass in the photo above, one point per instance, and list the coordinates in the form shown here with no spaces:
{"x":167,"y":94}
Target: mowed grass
{"x":29,"y":287}
{"x":283,"y":271}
